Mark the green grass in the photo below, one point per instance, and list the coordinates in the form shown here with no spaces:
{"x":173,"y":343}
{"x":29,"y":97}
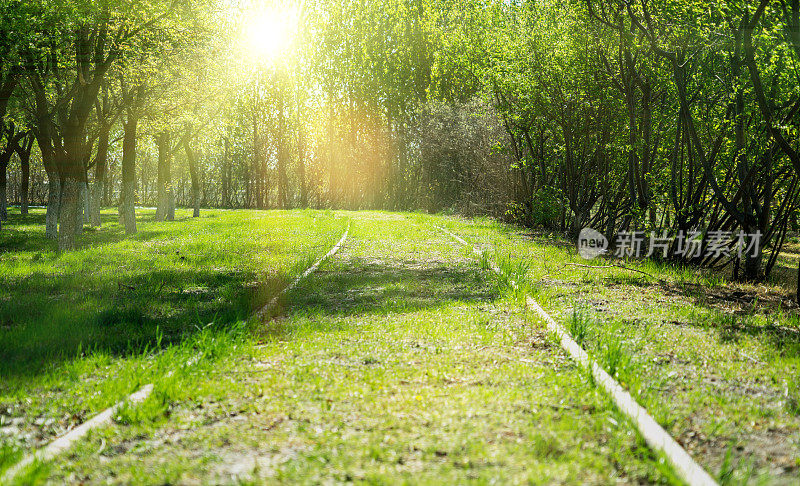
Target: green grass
{"x":713,"y":361}
{"x":400,"y":360}
{"x":403,"y":359}
{"x":793,"y":395}
{"x":84,"y":329}
{"x":116,"y":294}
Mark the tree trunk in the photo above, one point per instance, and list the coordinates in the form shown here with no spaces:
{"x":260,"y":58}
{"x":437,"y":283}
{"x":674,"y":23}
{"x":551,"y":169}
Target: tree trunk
{"x":751,"y":266}
{"x":53,"y":204}
{"x":108,"y":184}
{"x":100,"y":168}
{"x":72,"y":160}
{"x":86,"y":202}
{"x":5,"y":158}
{"x":69,"y":214}
{"x":3,"y":191}
{"x":254,"y":185}
{"x":163,"y":196}
{"x":577,"y":223}
{"x":611,"y":222}
{"x":170,"y":216}
{"x":282,"y":155}
{"x":127,"y":210}
{"x":191,"y":157}
{"x":97,"y":200}
{"x":42,"y":132}
{"x":301,"y":170}
{"x":226,"y":181}
{"x":25,"y":166}
{"x":196,"y":200}
{"x":797,"y":293}
{"x":333,"y":183}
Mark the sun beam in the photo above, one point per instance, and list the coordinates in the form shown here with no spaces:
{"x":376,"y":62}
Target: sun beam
{"x":270,"y":33}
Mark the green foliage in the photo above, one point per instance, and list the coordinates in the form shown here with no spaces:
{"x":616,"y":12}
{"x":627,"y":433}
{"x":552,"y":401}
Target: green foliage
{"x":545,"y":209}
{"x":615,"y":358}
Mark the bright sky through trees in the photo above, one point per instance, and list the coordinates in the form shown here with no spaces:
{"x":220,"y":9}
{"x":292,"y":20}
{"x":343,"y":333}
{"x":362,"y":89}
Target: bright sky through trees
{"x":270,"y":32}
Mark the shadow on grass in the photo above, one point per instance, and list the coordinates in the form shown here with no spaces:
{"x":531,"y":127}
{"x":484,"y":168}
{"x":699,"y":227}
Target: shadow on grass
{"x":365,"y":288}
{"x":44,"y":321}
{"x":53,"y":307}
{"x":732,"y":311}
{"x":735,"y":313}
{"x":17,"y":237}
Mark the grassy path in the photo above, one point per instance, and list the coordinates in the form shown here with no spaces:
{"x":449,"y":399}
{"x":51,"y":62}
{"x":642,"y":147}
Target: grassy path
{"x":400,"y":360}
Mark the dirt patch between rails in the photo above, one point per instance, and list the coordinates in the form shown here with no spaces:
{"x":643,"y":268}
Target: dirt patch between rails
{"x":245,"y":465}
{"x":766,"y":445}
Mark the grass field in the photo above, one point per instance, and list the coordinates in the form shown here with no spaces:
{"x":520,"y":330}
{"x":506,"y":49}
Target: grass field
{"x":84,"y":329}
{"x":716,"y":363}
{"x":401,"y":360}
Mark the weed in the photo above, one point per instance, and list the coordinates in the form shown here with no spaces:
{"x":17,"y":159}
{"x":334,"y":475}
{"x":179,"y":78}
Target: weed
{"x":733,"y":471}
{"x":154,"y":408}
{"x":513,"y":269}
{"x":580,"y":324}
{"x":615,"y":357}
{"x":9,"y":454}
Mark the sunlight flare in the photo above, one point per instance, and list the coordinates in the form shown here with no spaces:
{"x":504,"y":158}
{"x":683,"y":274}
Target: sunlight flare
{"x":270,"y":33}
